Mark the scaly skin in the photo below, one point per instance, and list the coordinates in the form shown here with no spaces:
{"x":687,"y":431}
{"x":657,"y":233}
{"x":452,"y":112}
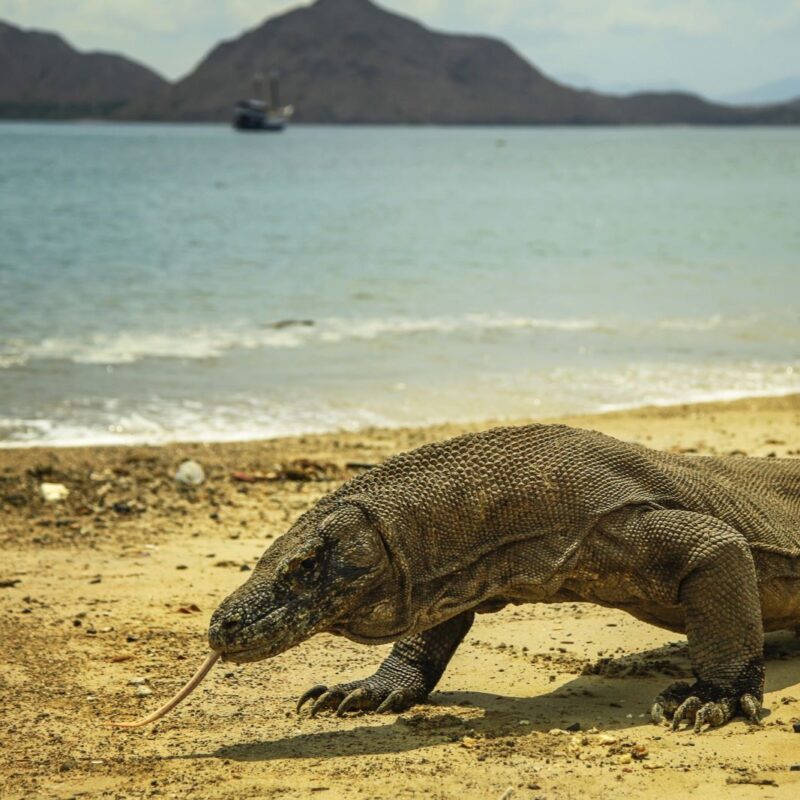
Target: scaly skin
{"x":410,"y":550}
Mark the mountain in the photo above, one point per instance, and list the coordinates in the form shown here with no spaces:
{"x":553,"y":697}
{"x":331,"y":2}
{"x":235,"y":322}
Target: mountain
{"x":781,"y":91}
{"x":350,"y":61}
{"x":580,"y":80}
{"x":43,"y":76}
{"x":341,"y":61}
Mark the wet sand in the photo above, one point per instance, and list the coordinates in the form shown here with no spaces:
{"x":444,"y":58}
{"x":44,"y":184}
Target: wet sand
{"x":105,"y":597}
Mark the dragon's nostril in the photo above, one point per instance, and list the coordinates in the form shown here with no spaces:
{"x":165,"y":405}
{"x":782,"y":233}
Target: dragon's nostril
{"x":222,"y":630}
{"x":231,"y":623}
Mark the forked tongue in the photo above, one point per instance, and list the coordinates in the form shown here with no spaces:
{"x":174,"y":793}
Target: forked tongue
{"x":181,"y":695}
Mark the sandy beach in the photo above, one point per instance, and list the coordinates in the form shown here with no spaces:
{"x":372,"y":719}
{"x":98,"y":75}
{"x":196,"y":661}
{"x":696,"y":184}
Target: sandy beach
{"x":106,"y":595}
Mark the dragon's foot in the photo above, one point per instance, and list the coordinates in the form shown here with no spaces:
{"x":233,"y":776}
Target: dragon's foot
{"x":702,"y":706}
{"x":371,"y":694}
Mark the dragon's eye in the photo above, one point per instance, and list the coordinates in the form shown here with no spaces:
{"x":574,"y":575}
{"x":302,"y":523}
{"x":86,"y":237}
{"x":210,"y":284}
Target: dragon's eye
{"x":308,"y":564}
{"x":302,"y":573}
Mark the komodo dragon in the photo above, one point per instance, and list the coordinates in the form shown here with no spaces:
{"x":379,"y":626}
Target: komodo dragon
{"x":410,"y":550}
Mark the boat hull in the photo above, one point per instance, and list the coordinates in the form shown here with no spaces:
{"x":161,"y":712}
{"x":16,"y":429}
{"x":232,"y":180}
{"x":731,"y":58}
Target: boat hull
{"x":253,"y":116}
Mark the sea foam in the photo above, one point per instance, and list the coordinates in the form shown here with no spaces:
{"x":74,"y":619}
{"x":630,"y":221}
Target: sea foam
{"x":127,"y":347}
{"x":487,"y":395}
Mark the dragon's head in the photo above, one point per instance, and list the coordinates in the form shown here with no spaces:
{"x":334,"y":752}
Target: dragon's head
{"x":310,"y":578}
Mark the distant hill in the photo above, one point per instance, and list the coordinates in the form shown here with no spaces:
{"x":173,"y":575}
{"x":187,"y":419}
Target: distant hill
{"x":350,"y":61}
{"x":781,"y":91}
{"x":43,"y":76}
{"x":341,"y":61}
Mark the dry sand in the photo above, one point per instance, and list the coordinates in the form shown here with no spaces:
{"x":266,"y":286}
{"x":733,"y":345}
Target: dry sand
{"x":115,"y":585}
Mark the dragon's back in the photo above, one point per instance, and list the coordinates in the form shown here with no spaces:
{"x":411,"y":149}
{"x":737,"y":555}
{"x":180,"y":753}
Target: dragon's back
{"x":760,"y":497}
{"x":504,"y":480}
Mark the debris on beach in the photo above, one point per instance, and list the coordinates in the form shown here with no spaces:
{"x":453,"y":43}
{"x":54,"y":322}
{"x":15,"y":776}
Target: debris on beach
{"x":751,"y":779}
{"x":190,"y":473}
{"x":301,"y":470}
{"x":53,"y":492}
{"x":247,"y":477}
{"x":304,"y":469}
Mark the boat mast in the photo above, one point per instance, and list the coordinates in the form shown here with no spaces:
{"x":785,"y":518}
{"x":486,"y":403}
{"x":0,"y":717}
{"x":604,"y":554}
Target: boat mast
{"x":274,"y":91}
{"x":258,"y":85}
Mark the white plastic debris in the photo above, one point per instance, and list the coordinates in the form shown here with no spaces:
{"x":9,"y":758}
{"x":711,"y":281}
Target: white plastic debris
{"x":53,"y":492}
{"x":190,"y":473}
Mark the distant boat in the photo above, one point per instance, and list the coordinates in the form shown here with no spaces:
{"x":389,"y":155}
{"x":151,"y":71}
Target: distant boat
{"x":257,"y":114}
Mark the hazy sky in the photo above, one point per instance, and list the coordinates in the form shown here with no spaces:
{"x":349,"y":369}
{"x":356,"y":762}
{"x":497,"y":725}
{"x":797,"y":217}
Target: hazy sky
{"x":712,"y":46}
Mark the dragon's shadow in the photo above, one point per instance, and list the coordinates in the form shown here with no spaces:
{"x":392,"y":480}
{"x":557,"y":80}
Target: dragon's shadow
{"x":602,"y":700}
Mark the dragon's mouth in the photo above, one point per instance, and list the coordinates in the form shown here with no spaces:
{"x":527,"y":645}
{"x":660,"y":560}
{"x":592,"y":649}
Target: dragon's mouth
{"x":265,"y":637}
{"x":247,"y":655}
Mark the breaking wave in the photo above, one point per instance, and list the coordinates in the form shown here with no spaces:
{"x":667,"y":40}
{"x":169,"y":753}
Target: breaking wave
{"x":484,"y":396}
{"x":127,"y":347}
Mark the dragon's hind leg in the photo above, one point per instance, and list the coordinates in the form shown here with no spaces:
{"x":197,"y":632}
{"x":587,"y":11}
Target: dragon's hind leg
{"x":697,"y":562}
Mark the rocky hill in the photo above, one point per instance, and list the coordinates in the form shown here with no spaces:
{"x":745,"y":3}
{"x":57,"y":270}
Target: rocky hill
{"x":344,"y":61}
{"x":350,"y":61}
{"x":41,"y":76}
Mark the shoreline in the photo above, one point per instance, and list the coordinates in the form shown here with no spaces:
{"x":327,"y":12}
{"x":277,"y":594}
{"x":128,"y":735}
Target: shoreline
{"x":450,"y":428}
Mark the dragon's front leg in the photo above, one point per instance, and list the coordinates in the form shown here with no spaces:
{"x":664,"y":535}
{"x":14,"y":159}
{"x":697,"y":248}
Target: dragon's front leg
{"x":407,"y":676}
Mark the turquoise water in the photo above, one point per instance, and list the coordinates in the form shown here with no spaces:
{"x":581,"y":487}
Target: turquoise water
{"x":146,"y":272}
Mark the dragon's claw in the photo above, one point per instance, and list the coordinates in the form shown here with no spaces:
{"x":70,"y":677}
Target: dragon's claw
{"x":689,"y":711}
{"x":701,"y":708}
{"x":750,"y":706}
{"x":354,"y":701}
{"x":667,"y":703}
{"x":327,"y":701}
{"x":398,"y":700}
{"x":369,"y":695}
{"x":312,"y":694}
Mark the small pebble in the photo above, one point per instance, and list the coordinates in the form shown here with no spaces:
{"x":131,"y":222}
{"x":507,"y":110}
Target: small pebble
{"x":144,"y":691}
{"x":190,"y":473}
{"x":796,"y":727}
{"x":639,"y":751}
{"x":53,"y":492}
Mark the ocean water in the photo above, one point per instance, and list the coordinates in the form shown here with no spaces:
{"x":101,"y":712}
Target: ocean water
{"x":188,"y":282}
